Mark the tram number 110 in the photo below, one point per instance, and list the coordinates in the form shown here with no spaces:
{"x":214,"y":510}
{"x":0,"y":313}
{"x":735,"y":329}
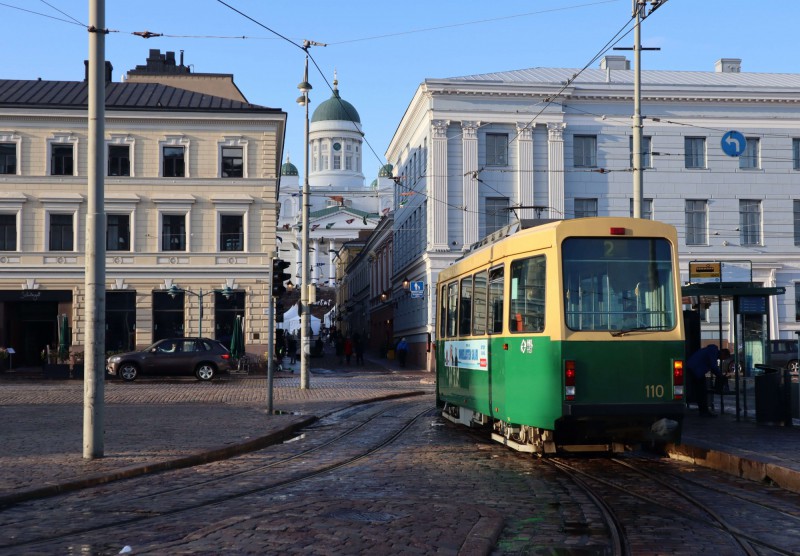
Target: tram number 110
{"x":654,"y":390}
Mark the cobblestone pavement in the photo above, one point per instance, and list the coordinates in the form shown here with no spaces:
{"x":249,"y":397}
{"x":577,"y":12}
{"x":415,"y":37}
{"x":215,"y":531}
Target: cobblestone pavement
{"x":163,"y":424}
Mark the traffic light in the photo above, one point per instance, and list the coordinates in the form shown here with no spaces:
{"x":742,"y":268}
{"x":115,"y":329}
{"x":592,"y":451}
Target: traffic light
{"x":279,"y":310}
{"x":279,"y":277}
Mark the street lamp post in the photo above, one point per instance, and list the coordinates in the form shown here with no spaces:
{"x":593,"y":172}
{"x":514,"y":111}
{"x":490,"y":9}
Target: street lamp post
{"x":305,"y":321}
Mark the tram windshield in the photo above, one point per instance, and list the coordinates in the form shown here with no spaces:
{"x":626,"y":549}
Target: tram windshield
{"x":618,"y":284}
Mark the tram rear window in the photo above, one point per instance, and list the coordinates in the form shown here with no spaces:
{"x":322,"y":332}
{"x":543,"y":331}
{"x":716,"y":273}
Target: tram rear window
{"x":618,"y":283}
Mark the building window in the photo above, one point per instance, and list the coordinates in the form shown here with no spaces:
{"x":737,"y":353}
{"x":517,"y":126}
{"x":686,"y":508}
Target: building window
{"x":348,"y":161}
{"x":797,"y":302}
{"x":584,"y":151}
{"x":61,"y":160}
{"x":174,"y":164}
{"x":167,"y":315}
{"x":496,"y":213}
{"x":796,"y":222}
{"x":61,"y":232}
{"x":231,"y":232}
{"x":324,"y":162}
{"x":118,"y":232}
{"x":232,"y":162}
{"x":120,"y":321}
{"x":119,"y":160}
{"x":696,"y":222}
{"x":647,"y":161}
{"x":694,"y":152}
{"x":337,"y":162}
{"x":647,"y":208}
{"x":173,"y":232}
{"x":750,"y":222}
{"x":796,"y":154}
{"x":585,"y":208}
{"x":748,"y":160}
{"x":497,"y":149}
{"x":8,"y":158}
{"x":8,"y":232}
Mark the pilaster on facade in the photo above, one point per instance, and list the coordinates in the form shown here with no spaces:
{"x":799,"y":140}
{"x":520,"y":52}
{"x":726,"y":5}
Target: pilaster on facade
{"x":469,"y":139}
{"x":437,"y":226}
{"x":525,"y":184}
{"x":555,"y":169}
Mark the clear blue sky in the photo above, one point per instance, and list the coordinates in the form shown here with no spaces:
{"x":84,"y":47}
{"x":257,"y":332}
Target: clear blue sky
{"x":382,"y":50}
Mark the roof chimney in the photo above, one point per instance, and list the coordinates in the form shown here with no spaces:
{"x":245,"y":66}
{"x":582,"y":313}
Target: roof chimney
{"x":615,"y":63}
{"x":728,"y":65}
{"x":109,"y":71}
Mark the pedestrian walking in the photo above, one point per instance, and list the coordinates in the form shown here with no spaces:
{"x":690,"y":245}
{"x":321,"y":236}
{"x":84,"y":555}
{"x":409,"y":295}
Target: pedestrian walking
{"x":292,"y":347}
{"x":402,"y":351}
{"x":358,"y":346}
{"x":348,"y":349}
{"x":701,"y":362}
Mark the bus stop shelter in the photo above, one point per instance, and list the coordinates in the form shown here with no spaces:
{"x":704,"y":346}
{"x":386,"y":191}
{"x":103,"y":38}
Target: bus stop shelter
{"x":708,"y":286}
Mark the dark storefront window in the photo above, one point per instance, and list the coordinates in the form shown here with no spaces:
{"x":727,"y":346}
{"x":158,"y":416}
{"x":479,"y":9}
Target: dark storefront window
{"x":225,"y":312}
{"x":120,"y":321}
{"x":167,"y":315}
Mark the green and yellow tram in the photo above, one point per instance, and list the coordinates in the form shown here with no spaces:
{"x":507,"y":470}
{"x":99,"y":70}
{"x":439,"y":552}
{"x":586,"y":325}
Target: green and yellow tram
{"x":565,"y":335}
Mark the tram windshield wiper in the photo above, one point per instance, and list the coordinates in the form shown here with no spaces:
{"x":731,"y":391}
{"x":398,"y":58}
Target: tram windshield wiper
{"x":624,"y":331}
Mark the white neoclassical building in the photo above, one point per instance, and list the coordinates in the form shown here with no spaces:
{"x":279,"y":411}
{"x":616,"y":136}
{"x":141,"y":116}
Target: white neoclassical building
{"x":558,"y":141}
{"x":342,"y":203}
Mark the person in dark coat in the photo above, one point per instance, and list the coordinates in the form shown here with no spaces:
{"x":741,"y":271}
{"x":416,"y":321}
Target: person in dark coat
{"x":358,"y":346}
{"x":292,"y":347}
{"x":701,"y":362}
{"x":402,"y":351}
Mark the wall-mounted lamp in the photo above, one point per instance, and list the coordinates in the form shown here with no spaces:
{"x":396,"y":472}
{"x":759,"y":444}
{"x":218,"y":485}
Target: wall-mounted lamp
{"x":384,"y":296}
{"x":289,"y":286}
{"x":406,"y":283}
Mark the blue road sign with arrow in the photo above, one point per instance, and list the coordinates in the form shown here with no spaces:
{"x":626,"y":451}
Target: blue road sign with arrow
{"x":733,"y":143}
{"x":417,"y":290}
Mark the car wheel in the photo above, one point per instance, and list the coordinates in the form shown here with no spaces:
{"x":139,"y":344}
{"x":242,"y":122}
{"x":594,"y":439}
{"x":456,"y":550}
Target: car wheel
{"x":793,"y":365}
{"x":205,"y":371}
{"x":128,"y":371}
{"x":732,"y":367}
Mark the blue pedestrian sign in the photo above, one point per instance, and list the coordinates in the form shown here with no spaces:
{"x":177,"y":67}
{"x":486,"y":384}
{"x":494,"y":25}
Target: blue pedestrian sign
{"x":733,"y":143}
{"x":417,"y":290}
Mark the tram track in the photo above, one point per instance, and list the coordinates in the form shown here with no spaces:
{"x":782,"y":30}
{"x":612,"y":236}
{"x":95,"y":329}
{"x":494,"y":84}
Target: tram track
{"x":137,"y":506}
{"x":669,"y":503}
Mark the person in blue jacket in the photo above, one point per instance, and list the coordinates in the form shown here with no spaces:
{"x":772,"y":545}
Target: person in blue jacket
{"x":701,"y":362}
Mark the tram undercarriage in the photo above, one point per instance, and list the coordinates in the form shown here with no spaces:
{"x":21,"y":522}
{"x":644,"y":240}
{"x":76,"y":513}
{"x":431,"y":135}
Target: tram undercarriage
{"x":524,"y":438}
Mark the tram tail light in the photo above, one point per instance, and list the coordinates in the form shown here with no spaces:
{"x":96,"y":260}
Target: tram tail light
{"x":677,"y":379}
{"x":569,"y":380}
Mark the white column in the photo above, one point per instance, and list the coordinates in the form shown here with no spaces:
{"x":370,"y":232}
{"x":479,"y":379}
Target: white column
{"x":437,"y":225}
{"x":469,"y":142}
{"x":525,"y":187}
{"x":314,"y":261}
{"x":331,"y":265}
{"x":555,"y":169}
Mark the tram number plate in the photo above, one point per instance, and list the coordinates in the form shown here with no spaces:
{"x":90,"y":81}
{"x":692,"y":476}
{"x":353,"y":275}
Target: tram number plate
{"x":654,"y":390}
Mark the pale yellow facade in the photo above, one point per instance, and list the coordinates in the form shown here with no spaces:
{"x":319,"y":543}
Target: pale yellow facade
{"x":34,"y":270}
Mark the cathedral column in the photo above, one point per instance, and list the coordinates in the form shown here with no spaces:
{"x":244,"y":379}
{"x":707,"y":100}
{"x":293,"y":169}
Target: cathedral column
{"x":469,"y":142}
{"x":437,"y":225}
{"x":314,"y":261}
{"x":555,"y":169}
{"x":525,"y":190}
{"x":331,"y":265}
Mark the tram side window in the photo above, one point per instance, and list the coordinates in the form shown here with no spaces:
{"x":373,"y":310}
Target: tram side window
{"x":443,"y":312}
{"x":452,"y":309}
{"x":479,"y":303}
{"x":496,"y":284}
{"x":465,"y":308}
{"x":527,"y":295}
